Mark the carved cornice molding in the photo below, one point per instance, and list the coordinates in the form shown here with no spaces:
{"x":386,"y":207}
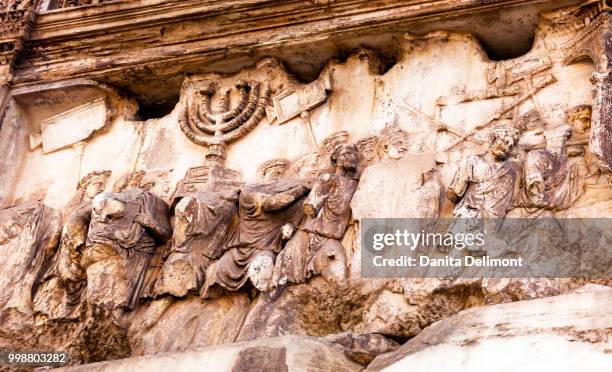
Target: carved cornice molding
{"x":118,"y":36}
{"x":135,"y":13}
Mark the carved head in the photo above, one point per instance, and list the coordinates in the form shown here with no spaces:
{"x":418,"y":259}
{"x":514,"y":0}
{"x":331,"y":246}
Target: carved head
{"x":307,"y":167}
{"x":367,"y":148}
{"x":502,"y":140}
{"x":579,"y":118}
{"x":91,"y":185}
{"x":106,"y":208}
{"x":332,"y":142}
{"x":128,"y":181}
{"x":287,"y":231}
{"x":94,"y":183}
{"x":345,"y":159}
{"x":260,"y":271}
{"x":272,"y":170}
{"x":393,"y":143}
{"x":186,"y":212}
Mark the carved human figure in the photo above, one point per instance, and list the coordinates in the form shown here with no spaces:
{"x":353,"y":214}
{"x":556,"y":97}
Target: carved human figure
{"x":328,"y":145}
{"x":128,"y":181}
{"x":315,"y":248}
{"x":393,"y":143}
{"x":579,"y":118}
{"x":368,"y":150}
{"x":202,"y":224}
{"x":307,"y":167}
{"x":125,"y":230}
{"x":416,"y":190}
{"x":310,"y":166}
{"x":551,"y":182}
{"x":267,"y":215}
{"x":29,"y":235}
{"x":487,"y":185}
{"x":60,"y":294}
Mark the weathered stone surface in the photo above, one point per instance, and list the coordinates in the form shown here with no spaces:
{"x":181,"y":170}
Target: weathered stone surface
{"x":567,"y":333}
{"x":396,"y":202}
{"x":289,"y":353}
{"x":230,"y":206}
{"x":398,"y":308}
{"x":363,"y":348}
{"x":167,"y":325}
{"x":29,"y":236}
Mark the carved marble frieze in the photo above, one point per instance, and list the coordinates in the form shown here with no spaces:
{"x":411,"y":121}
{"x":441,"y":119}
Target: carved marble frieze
{"x":245,"y":200}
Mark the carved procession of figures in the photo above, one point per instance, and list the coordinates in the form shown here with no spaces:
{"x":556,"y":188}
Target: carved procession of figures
{"x":216,"y":234}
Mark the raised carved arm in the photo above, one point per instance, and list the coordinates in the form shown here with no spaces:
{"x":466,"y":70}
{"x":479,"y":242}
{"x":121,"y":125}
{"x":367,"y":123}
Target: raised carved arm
{"x":283,"y":199}
{"x":160,"y":230}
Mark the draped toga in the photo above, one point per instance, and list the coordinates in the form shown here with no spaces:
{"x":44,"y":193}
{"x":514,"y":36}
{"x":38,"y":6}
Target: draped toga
{"x":202,"y":227}
{"x":489,"y":189}
{"x":318,"y":238}
{"x":124,"y":240}
{"x":263,"y":210}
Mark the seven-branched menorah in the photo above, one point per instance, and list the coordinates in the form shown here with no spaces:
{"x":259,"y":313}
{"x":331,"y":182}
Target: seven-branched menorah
{"x":218,"y":127}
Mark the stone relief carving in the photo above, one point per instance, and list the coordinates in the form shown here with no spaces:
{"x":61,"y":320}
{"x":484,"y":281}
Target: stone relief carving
{"x":216,"y":217}
{"x":61,"y":294}
{"x":125,"y":230}
{"x":367,"y":149}
{"x":57,"y":4}
{"x":579,"y":118}
{"x":29,"y":234}
{"x":416,"y":191}
{"x":577,"y":146}
{"x":550,"y":181}
{"x":315,"y":248}
{"x":488,"y":186}
{"x":309,"y":166}
{"x":268,"y":213}
{"x":15,"y":22}
{"x":202,"y":225}
{"x":592,"y":39}
{"x":299,"y":101}
{"x":8,"y":5}
{"x":229,"y":235}
{"x":394,"y":143}
{"x":218,"y":127}
{"x":59,"y":131}
{"x":430,"y":195}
